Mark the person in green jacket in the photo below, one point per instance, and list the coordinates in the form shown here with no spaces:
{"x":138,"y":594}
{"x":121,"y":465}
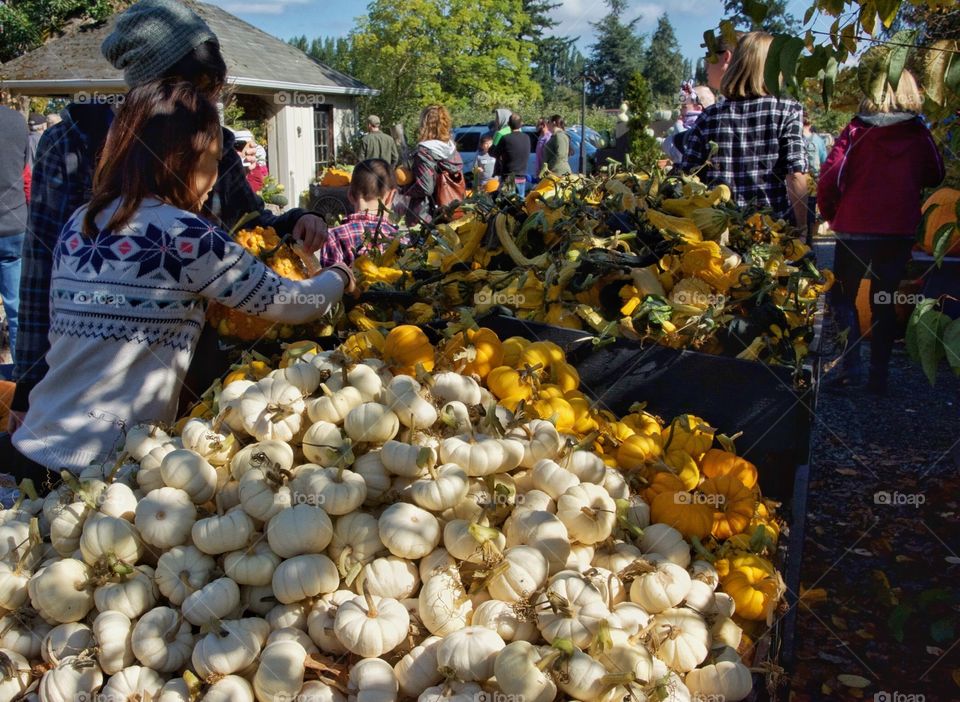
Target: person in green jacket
{"x":501,"y":126}
{"x":556,"y":154}
{"x":376,"y":144}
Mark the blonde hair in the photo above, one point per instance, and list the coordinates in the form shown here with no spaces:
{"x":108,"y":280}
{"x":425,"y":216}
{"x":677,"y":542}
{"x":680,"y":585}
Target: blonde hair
{"x":744,"y":77}
{"x":435,"y":123}
{"x":906,"y":98}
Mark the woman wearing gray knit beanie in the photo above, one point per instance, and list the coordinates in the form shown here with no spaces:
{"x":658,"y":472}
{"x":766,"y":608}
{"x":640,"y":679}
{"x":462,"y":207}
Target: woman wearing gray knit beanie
{"x":151,"y":40}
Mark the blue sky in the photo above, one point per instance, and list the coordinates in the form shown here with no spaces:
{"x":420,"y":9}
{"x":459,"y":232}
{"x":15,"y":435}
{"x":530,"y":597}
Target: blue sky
{"x":287,"y":18}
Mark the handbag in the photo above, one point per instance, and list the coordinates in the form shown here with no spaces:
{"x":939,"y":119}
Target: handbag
{"x":451,"y":186}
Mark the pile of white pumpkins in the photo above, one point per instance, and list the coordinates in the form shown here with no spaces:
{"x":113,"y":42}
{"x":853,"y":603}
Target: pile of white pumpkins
{"x":341,"y":533}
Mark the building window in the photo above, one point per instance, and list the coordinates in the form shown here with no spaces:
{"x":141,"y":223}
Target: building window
{"x":323,"y":137}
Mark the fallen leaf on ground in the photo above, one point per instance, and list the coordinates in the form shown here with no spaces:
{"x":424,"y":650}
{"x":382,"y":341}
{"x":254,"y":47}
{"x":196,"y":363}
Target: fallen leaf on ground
{"x":855,"y":681}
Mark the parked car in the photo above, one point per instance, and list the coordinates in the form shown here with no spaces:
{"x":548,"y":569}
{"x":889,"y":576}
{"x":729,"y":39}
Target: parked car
{"x":467,"y":139}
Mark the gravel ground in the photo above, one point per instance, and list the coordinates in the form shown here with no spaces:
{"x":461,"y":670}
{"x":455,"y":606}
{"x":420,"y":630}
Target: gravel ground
{"x":880,"y":561}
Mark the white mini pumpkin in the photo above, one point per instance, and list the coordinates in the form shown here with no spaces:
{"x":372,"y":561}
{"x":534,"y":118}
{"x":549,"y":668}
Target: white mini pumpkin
{"x":371,"y":423}
{"x":680,"y":639}
{"x":371,"y":626}
{"x":182,"y":571}
{"x":190,"y":472}
{"x":281,"y":670}
{"x":664,"y":586}
{"x":113,"y":632}
{"x":215,"y":601}
{"x":302,"y":528}
{"x":222,"y":533}
{"x":62,"y":591}
{"x":162,"y":640}
{"x":470,"y":653}
{"x":408,"y":531}
{"x":165,"y":517}
{"x":588,"y":512}
{"x":272,"y":409}
{"x":304,"y":577}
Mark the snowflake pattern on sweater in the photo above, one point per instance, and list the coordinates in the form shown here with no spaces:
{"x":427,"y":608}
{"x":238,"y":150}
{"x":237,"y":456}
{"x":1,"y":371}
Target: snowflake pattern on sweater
{"x":126,"y":310}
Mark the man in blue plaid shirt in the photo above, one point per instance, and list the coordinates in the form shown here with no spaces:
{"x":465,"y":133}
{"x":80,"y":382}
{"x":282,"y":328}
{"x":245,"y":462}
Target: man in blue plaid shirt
{"x":760,"y":151}
{"x":153,"y":39}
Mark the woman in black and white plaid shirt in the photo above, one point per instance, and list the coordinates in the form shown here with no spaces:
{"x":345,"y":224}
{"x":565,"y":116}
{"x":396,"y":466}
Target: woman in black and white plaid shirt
{"x":760,"y":150}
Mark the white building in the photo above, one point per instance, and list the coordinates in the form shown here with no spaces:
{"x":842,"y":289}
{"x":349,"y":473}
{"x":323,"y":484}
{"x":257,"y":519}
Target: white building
{"x":309,"y":108}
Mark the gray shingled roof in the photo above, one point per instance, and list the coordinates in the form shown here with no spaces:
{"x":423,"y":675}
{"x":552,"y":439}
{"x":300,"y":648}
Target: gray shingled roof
{"x":256,"y":62}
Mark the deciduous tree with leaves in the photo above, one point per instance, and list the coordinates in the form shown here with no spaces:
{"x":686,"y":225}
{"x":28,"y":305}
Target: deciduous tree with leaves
{"x":26,"y":24}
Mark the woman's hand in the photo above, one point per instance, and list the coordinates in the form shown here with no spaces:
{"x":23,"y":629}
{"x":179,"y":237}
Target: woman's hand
{"x":311,"y":232}
{"x":349,"y":281}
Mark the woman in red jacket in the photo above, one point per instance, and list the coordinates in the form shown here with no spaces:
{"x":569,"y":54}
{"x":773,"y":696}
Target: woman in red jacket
{"x":870,"y":190}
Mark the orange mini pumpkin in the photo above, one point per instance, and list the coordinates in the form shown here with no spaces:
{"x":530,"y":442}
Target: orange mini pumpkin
{"x":407,"y":346}
{"x":683,"y":512}
{"x":661,"y":482}
{"x":474,"y":352}
{"x":717,"y":462}
{"x":734,"y":505}
{"x":637,"y":450}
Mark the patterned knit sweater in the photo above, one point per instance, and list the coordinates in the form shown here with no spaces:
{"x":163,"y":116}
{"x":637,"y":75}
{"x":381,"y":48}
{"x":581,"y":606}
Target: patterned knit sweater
{"x":126,"y":310}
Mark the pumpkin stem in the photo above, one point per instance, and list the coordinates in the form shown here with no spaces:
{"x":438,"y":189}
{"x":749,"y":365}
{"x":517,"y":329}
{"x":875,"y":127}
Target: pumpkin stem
{"x":701,"y":550}
{"x":603,"y":641}
{"x":326,"y":390}
{"x":193,"y":684}
{"x":614,"y":679}
{"x":371,"y":606}
{"x":342,"y":560}
{"x":589,"y":511}
{"x":27,"y":488}
{"x":624,"y":521}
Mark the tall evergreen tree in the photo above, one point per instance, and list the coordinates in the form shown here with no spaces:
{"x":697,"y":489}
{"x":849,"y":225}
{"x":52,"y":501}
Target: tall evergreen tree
{"x":664,"y":63}
{"x":615,"y":56}
{"x":26,"y":24}
{"x":776,"y":20}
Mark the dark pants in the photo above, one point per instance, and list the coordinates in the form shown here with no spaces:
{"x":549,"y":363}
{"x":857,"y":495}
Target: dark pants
{"x":883,"y":261}
{"x":20,"y":467}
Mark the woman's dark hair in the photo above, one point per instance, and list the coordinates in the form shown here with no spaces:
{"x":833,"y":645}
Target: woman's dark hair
{"x":372,"y":179}
{"x":204,"y":67}
{"x":542,"y":124}
{"x":152,"y":150}
{"x":557,"y":121}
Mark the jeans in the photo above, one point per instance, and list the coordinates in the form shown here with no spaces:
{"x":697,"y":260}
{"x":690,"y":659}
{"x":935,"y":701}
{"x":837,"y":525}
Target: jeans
{"x":10,"y":247}
{"x":886,"y":261}
{"x":522,"y":188}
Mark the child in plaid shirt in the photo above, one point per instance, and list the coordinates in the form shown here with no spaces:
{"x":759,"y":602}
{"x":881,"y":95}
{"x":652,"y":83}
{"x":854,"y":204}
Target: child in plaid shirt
{"x":373,"y":182}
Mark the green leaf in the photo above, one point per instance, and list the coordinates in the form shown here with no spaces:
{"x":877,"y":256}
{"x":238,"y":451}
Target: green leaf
{"x":911,"y":336}
{"x":808,"y":15}
{"x":952,"y":77}
{"x":935,"y":69}
{"x":951,"y":345}
{"x":942,"y":239}
{"x":887,"y":11}
{"x":710,"y":42}
{"x":942,"y":630}
{"x":757,"y":11}
{"x":897,"y":621}
{"x":930,"y":329}
{"x":872,"y":72}
{"x":771,"y":69}
{"x":829,"y":80}
{"x":788,"y":64}
{"x":729,"y":33}
{"x":868,"y":17}
{"x":898,"y":59}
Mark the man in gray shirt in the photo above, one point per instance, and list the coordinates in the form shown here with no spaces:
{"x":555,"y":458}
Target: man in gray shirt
{"x":376,"y":144}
